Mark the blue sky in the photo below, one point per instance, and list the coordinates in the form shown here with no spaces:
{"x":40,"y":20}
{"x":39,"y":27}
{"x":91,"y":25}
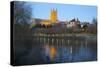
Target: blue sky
{"x":64,"y":11}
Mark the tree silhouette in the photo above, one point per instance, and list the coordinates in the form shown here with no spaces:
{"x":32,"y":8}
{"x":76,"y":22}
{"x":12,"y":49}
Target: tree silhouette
{"x":94,"y":21}
{"x":22,"y":12}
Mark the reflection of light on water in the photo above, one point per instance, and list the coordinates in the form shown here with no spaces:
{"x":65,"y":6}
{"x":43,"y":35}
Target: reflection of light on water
{"x":53,"y":52}
{"x":71,"y":50}
{"x":62,"y":41}
{"x":50,"y":51}
{"x":86,"y":43}
{"x":86,"y":46}
{"x":57,"y":41}
{"x":52,"y":40}
{"x":44,"y":40}
{"x":40,"y":40}
{"x":59,"y":50}
{"x":48,"y":40}
{"x":47,"y":50}
{"x":68,"y":42}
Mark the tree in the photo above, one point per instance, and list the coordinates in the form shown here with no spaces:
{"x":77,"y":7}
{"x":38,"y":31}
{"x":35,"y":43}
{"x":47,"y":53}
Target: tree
{"x":22,"y":12}
{"x":22,"y":18}
{"x":94,"y":22}
{"x":22,"y":35}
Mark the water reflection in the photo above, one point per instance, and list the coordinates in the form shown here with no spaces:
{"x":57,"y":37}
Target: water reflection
{"x":67,"y":49}
{"x":50,"y":52}
{"x":57,"y":49}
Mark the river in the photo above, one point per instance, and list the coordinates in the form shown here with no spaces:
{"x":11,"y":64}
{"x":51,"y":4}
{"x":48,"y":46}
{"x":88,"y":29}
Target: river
{"x":46,"y":50}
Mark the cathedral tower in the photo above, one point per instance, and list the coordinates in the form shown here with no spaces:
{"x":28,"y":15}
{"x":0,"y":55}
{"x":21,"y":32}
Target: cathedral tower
{"x":53,"y":16}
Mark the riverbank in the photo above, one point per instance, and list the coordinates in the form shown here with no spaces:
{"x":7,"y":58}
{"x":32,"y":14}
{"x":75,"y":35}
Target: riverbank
{"x":63,"y":34}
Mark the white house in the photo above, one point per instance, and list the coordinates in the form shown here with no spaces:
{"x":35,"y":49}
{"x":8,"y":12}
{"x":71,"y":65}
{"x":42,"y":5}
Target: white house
{"x":73,"y":23}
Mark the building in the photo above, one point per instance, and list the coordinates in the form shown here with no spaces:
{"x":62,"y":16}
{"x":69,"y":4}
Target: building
{"x":53,"y":16}
{"x":45,"y":22}
{"x":52,"y":20}
{"x":73,"y":23}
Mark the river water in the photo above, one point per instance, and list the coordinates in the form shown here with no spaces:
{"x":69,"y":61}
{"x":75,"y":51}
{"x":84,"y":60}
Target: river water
{"x":47,"y":50}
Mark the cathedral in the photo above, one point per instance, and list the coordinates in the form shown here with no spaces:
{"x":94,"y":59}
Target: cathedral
{"x":52,"y":20}
{"x":53,"y":16}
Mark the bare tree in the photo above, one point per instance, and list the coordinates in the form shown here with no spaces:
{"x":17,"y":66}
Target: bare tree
{"x":22,"y":12}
